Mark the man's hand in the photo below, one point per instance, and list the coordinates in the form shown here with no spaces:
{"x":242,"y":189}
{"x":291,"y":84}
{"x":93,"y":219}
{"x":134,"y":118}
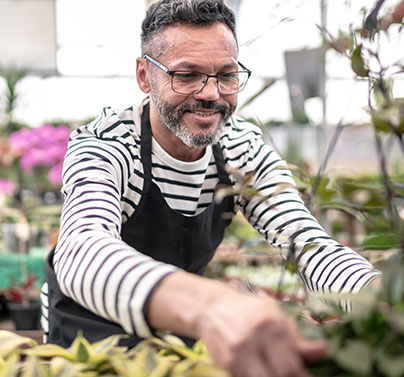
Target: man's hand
{"x":247,"y":335}
{"x":252,"y":336}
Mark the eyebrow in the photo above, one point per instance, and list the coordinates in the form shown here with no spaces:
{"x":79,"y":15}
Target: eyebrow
{"x":197,"y":68}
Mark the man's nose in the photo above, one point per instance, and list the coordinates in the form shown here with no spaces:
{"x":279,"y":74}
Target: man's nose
{"x":210,"y":92}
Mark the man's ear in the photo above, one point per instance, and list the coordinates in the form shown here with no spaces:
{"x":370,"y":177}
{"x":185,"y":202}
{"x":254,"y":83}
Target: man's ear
{"x":143,"y":75}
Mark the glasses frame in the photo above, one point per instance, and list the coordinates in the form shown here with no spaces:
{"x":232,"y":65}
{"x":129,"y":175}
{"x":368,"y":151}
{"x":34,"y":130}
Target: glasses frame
{"x":205,"y":81}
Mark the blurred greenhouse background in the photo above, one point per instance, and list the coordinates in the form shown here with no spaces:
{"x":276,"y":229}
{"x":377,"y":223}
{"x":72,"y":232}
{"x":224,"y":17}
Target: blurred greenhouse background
{"x":62,"y":61}
{"x":80,"y":56}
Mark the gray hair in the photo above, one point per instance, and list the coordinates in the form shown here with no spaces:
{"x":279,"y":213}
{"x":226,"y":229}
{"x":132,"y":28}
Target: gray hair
{"x":165,"y":13}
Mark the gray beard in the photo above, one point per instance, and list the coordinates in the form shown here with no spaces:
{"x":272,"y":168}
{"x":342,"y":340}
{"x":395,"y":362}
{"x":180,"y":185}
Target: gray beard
{"x":172,"y":119}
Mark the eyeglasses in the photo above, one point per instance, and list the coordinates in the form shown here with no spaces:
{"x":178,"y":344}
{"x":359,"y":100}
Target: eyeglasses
{"x":189,"y":82}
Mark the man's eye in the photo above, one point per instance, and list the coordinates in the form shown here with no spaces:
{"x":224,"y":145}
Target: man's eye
{"x":229,"y":77}
{"x":187,"y":76}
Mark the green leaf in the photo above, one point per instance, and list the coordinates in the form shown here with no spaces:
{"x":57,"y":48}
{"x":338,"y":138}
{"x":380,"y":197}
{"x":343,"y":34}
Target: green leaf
{"x":397,"y":289}
{"x":355,"y":357}
{"x":391,"y":366}
{"x":128,"y":368}
{"x":357,"y":63}
{"x":381,"y":124}
{"x":10,"y":342}
{"x":200,"y":349}
{"x":207,"y":370}
{"x":291,"y":266}
{"x":162,"y":369}
{"x":383,"y":241}
{"x":400,"y":128}
{"x":33,"y":368}
{"x":59,"y":366}
{"x":396,"y":321}
{"x":50,"y":350}
{"x":9,"y":368}
{"x":82,"y":353}
{"x":108,"y":344}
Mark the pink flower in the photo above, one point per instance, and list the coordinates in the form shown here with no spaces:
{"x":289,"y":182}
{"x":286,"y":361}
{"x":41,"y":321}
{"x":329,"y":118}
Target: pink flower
{"x":20,"y":141}
{"x":42,"y":146}
{"x":55,"y":174}
{"x":7,"y":187}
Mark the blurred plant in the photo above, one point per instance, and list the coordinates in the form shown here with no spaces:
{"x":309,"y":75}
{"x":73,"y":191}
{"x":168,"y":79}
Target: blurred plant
{"x":7,"y":187}
{"x":12,"y":77}
{"x":365,"y":52}
{"x":7,"y":213}
{"x":367,"y":341}
{"x":23,"y":293}
{"x":6,"y":153}
{"x":153,"y":357}
{"x":43,"y":146}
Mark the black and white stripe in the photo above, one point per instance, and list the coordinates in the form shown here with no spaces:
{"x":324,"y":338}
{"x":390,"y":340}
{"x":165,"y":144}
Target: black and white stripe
{"x":103,"y":181}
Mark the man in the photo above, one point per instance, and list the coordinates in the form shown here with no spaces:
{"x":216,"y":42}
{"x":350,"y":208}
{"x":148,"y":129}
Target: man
{"x":140,"y":222}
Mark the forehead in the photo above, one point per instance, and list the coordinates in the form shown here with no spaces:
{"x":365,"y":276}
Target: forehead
{"x":197,"y":44}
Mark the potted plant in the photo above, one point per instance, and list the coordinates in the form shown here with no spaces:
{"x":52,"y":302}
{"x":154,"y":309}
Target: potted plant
{"x":23,"y":304}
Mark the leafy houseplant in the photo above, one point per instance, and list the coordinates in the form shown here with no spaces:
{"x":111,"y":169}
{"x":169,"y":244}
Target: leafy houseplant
{"x":151,"y":358}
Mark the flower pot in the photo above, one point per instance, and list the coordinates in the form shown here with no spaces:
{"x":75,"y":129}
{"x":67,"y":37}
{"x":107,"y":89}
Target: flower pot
{"x":25,"y":317}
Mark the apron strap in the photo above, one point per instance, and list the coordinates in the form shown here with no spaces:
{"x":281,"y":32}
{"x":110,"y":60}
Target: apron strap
{"x":145,"y":148}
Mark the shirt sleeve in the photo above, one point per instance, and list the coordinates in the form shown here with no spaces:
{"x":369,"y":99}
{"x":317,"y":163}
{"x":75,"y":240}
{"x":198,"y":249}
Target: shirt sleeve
{"x":93,"y":265}
{"x":323,"y":264}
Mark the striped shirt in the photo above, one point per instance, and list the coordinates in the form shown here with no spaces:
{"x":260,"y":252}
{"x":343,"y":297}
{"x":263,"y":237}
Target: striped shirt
{"x":102,"y":184}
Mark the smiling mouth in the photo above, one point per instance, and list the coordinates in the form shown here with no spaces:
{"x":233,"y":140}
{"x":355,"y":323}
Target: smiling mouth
{"x":204,"y":113}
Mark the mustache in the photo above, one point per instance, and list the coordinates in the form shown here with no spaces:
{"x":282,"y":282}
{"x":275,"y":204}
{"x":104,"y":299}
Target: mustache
{"x":208,"y":105}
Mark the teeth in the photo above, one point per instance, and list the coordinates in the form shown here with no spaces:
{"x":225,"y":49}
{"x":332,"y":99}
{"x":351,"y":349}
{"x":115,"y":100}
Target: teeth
{"x":203,"y":114}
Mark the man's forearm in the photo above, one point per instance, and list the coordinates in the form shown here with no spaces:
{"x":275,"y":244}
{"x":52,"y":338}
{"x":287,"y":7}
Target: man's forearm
{"x":181,"y":303}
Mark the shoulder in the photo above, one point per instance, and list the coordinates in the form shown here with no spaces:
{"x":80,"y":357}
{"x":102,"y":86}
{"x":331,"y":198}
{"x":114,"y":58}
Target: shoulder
{"x":245,"y":150}
{"x":238,"y":129}
{"x":242,"y":139}
{"x":112,"y":129}
{"x":112,"y":137}
{"x":111,"y":124}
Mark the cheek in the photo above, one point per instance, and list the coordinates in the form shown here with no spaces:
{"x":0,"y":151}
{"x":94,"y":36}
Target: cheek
{"x":232,"y":100}
{"x":165,"y":94}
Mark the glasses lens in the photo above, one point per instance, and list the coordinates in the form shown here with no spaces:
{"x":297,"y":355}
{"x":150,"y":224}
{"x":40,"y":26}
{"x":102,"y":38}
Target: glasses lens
{"x":187,"y":82}
{"x":184,"y":82}
{"x":232,"y":82}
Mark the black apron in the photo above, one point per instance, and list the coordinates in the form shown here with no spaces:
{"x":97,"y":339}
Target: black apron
{"x":154,"y":229}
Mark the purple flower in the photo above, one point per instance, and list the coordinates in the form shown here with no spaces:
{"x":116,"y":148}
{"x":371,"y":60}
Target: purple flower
{"x":42,"y":146}
{"x":55,"y":174}
{"x":20,"y":141}
{"x":7,"y":187}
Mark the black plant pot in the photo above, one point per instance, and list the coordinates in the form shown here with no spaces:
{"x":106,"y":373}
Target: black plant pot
{"x":25,"y":317}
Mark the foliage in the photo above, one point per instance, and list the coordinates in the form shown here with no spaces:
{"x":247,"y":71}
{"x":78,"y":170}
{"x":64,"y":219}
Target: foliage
{"x":240,"y":231}
{"x":154,"y":357}
{"x":24,"y":293}
{"x":12,"y":77}
{"x":369,"y":340}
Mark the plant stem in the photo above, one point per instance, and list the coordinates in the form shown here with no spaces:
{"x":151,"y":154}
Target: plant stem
{"x":324,"y":163}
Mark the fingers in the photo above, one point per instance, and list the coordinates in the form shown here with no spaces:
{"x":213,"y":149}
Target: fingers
{"x":310,"y":350}
{"x":252,"y":365}
{"x":257,"y":339}
{"x":273,"y":354}
{"x":281,"y":352}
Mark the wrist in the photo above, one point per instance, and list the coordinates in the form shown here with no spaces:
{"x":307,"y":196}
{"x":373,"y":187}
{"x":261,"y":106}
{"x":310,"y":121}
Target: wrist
{"x":183,"y":303}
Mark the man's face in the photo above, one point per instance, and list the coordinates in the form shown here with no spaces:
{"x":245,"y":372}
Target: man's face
{"x":196,"y":119}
